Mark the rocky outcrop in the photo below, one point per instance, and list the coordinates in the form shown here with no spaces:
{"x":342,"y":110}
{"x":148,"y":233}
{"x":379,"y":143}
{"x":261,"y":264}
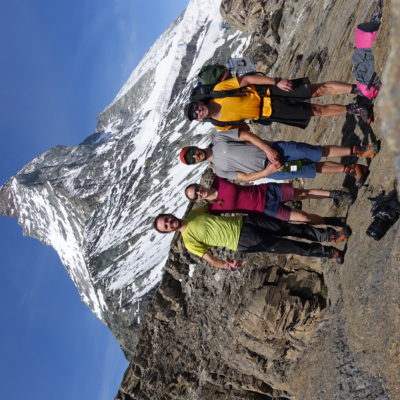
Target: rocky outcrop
{"x":216,"y":334}
{"x":263,"y":21}
{"x":286,"y":327}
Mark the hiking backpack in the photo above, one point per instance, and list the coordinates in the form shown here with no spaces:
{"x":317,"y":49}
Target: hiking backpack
{"x":211,"y":74}
{"x":363,"y":60}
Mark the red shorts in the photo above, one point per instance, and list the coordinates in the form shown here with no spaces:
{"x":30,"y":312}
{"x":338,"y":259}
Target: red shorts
{"x":277,"y":194}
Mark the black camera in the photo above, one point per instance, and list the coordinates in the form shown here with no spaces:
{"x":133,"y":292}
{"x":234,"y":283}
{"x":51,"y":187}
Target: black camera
{"x":385,"y":212}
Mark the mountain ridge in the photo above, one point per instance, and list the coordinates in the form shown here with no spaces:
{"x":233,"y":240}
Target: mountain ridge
{"x":94,"y":202}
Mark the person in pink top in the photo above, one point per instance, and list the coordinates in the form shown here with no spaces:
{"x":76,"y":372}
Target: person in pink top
{"x":268,"y":198}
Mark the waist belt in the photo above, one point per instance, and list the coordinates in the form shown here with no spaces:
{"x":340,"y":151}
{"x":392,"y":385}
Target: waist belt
{"x":261,"y":91}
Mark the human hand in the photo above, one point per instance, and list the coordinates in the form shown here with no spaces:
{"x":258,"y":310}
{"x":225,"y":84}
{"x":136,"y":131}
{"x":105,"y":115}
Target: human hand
{"x":274,"y":157}
{"x":272,"y":168}
{"x":285,"y":85}
{"x":234,"y":265}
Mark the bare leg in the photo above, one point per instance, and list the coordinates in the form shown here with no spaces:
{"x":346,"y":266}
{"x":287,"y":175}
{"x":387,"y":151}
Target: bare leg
{"x":329,"y":167}
{"x":302,"y":216}
{"x":302,"y":194}
{"x":331,"y":87}
{"x":335,"y":151}
{"x":329,"y":110}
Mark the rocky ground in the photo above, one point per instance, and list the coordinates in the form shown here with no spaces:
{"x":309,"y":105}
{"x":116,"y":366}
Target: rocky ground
{"x":288,"y":327}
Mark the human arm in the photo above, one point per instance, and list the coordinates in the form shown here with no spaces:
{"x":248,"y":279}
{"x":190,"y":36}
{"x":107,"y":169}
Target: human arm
{"x":254,"y":176}
{"x":257,"y":79}
{"x":273,"y":156}
{"x":232,"y":265}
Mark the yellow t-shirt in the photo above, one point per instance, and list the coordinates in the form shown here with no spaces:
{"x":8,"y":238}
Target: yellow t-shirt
{"x":238,"y":108}
{"x":206,"y":230}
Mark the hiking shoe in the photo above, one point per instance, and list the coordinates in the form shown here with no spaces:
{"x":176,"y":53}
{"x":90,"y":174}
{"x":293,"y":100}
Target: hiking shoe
{"x":339,"y":236}
{"x":358,"y":172}
{"x":346,"y":197}
{"x":337,"y":255}
{"x":365,"y":113}
{"x":368,"y":151}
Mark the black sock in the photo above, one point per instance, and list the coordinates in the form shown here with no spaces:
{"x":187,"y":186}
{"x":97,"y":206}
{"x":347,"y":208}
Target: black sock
{"x":335,"y":221}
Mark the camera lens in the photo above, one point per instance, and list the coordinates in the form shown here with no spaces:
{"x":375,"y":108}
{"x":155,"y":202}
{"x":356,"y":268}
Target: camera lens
{"x":378,"y":228}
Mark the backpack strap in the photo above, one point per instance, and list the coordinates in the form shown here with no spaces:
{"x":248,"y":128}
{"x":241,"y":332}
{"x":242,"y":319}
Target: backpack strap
{"x":261,"y":91}
{"x":220,"y":94}
{"x":223,"y":124}
{"x":205,"y":93}
{"x":239,"y":92}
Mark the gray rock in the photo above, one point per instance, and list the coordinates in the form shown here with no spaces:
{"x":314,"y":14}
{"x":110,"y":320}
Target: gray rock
{"x":289,"y":327}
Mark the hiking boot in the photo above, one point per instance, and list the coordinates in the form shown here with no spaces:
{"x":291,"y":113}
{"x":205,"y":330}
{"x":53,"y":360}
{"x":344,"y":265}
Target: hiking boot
{"x":358,"y":172}
{"x":337,"y":255}
{"x":339,"y":236}
{"x":364,"y":112}
{"x":368,"y":151}
{"x":346,"y":197}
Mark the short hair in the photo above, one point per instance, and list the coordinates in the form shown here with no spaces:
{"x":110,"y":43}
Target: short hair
{"x":186,"y":191}
{"x":188,"y":110}
{"x":156,"y":219}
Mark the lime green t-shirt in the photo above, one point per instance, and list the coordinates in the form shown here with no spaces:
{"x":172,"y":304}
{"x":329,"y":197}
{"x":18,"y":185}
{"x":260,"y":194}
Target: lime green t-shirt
{"x":205,"y":230}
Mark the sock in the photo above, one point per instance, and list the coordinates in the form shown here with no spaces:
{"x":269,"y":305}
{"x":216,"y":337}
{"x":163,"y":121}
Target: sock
{"x":335,"y":221}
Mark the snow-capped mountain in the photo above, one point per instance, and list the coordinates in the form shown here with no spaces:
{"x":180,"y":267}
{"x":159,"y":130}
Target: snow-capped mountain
{"x":95,"y":202}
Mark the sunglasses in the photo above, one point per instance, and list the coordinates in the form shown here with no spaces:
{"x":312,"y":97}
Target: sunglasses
{"x":192,"y":112}
{"x":196,"y":188}
{"x":189,"y":156}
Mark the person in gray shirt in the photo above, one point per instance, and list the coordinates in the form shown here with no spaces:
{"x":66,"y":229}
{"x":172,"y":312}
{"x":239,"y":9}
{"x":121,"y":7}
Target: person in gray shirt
{"x":242,"y":155}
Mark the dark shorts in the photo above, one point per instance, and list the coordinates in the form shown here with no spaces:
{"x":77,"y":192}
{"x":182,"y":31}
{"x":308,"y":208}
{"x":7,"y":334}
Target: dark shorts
{"x":291,"y":151}
{"x":278,"y":193}
{"x":290,"y":108}
{"x":301,"y":90}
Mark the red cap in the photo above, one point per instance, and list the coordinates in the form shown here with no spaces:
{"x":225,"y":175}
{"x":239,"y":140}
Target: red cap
{"x":183,"y":153}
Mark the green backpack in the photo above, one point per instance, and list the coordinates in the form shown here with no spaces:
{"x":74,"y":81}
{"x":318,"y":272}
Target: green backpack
{"x":211,"y":74}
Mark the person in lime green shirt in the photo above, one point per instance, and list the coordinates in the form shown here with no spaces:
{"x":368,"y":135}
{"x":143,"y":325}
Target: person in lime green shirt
{"x":249,"y":234}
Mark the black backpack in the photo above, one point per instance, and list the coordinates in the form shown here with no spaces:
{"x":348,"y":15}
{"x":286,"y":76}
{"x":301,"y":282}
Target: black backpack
{"x":211,"y":74}
{"x":205,"y":93}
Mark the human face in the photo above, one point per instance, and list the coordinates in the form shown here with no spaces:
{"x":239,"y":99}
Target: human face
{"x":201,"y":111}
{"x":197,"y":192}
{"x":168,"y":223}
{"x":195,"y":155}
{"x":197,"y":111}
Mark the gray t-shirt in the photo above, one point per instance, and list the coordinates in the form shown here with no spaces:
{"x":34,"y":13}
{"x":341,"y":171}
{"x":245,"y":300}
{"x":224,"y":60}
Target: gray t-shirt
{"x":231,"y":156}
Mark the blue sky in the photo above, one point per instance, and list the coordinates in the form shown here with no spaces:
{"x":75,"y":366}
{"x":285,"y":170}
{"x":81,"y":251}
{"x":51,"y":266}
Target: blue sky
{"x":62,"y":62}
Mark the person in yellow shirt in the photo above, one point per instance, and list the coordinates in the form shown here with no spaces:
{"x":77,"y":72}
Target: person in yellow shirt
{"x":263,"y":99}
